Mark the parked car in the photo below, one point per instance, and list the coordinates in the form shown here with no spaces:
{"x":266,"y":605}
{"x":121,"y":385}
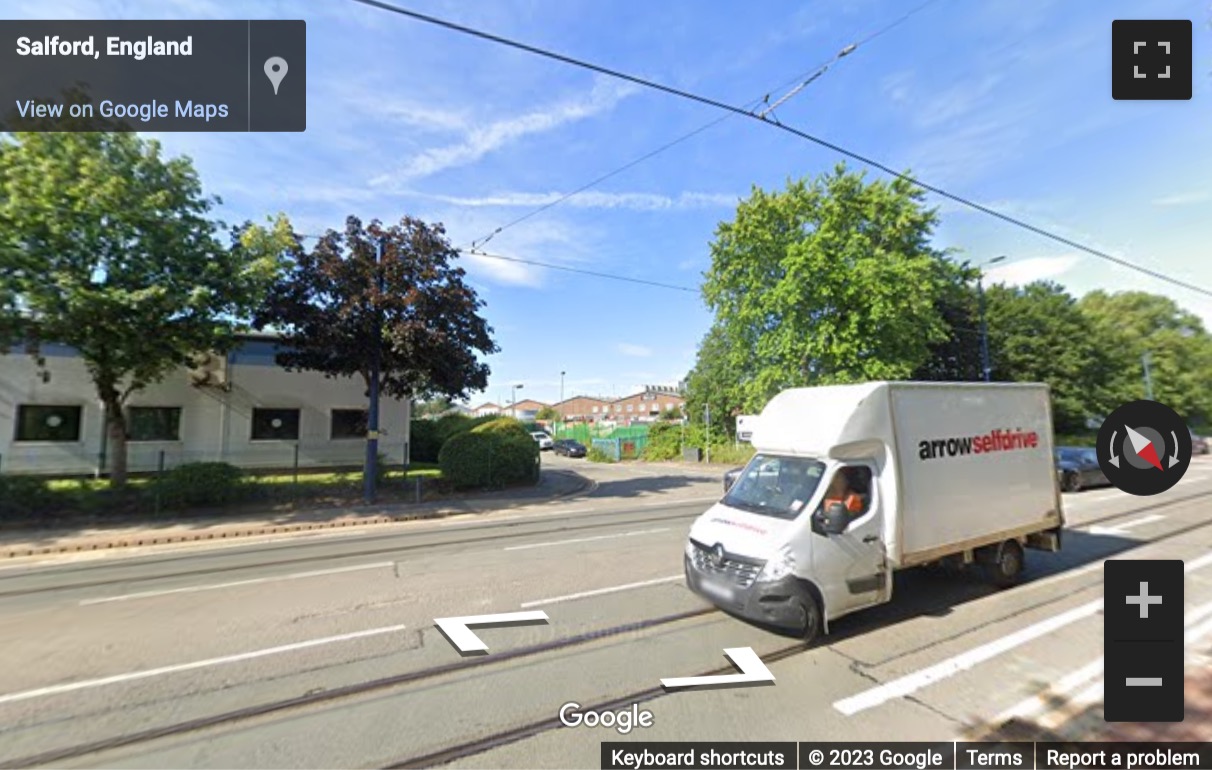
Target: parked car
{"x":1199,"y":444}
{"x":1077,"y":468}
{"x":543,"y":440}
{"x":570,"y":448}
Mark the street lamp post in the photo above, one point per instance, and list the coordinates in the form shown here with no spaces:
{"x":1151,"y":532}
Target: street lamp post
{"x":513,"y":405}
{"x":561,"y":428}
{"x":986,"y":366}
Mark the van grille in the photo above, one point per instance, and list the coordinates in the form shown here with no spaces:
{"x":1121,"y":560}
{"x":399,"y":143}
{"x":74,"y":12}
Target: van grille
{"x":736,"y":569}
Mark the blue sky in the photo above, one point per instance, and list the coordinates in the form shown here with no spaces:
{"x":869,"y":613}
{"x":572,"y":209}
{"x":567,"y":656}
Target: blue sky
{"x":1006,"y":102}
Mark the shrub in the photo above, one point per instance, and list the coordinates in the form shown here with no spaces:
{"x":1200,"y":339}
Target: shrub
{"x":427,"y":437}
{"x":26,"y":496}
{"x":731,"y":454}
{"x":493,"y":454}
{"x":424,"y":443}
{"x":664,"y":442}
{"x":595,"y":455}
{"x":201,"y":484}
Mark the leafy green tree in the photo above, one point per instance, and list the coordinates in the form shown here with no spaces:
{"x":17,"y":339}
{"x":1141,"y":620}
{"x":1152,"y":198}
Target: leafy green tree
{"x":828,"y":281}
{"x":1037,"y":333}
{"x":547,"y":414}
{"x":957,"y":356}
{"x":337,"y":302}
{"x":1178,"y":346}
{"x":106,"y":246}
{"x":717,"y":379}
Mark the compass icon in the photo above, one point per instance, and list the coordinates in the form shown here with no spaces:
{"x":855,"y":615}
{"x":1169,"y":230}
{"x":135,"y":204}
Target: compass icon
{"x":1144,"y":447}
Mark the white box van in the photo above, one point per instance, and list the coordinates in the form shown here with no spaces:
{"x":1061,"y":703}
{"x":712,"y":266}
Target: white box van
{"x":745,"y":424}
{"x":853,"y":482}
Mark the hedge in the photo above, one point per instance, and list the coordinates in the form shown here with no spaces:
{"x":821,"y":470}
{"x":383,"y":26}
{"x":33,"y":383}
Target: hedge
{"x":22,"y":496}
{"x":665,"y":443}
{"x":201,"y":484}
{"x":493,"y":454}
{"x":428,"y":436}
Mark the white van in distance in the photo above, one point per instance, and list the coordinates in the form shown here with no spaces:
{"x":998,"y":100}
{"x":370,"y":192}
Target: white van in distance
{"x":853,"y":482}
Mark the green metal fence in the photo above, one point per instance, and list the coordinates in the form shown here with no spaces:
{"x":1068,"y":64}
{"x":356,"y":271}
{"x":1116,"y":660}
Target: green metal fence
{"x":621,"y":448}
{"x":587,"y":433}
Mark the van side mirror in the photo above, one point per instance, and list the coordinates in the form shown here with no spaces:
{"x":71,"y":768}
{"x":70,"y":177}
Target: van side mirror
{"x":730,"y":478}
{"x":835,"y":519}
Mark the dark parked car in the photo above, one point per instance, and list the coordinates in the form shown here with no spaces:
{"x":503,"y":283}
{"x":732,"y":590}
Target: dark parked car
{"x":731,"y":476}
{"x":1077,"y":468}
{"x":569,"y":448}
{"x":1199,"y":444}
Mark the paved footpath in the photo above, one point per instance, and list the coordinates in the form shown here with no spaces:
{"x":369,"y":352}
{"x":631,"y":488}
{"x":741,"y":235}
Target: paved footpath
{"x":18,"y":543}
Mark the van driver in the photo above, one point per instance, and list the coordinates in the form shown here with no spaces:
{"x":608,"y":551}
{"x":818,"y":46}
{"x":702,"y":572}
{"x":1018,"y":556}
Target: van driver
{"x":841,"y":491}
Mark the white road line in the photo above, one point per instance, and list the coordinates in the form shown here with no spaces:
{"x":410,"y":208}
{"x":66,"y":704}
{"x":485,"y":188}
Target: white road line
{"x":1116,"y":529}
{"x":917,"y":680}
{"x":1033,"y":705}
{"x":601,"y":591}
{"x":1197,"y":633}
{"x":911,"y":683}
{"x":235,"y":583}
{"x":1036,"y":704}
{"x":566,"y":511}
{"x":1199,"y":563}
{"x":134,"y":675}
{"x":584,"y":539}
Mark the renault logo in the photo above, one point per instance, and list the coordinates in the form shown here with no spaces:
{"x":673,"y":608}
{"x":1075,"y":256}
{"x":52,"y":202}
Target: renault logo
{"x":717,"y":555}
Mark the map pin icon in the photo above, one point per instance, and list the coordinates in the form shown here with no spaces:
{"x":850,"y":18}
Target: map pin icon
{"x":275,"y":70}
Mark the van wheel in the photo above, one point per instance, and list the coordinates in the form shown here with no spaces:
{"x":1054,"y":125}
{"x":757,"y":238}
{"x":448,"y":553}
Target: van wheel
{"x":810,"y":628}
{"x":1007,"y":567}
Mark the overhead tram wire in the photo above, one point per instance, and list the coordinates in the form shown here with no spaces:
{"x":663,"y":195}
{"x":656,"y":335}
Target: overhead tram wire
{"x":687,"y":95}
{"x":800,"y":82}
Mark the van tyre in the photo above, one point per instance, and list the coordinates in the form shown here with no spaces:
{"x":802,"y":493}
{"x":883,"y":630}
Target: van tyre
{"x":811,"y":626}
{"x":1006,"y":569}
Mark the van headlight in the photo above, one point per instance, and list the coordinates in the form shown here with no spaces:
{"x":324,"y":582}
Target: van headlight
{"x":779,"y":567}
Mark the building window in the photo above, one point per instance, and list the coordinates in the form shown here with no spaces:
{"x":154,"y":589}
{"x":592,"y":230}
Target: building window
{"x":618,"y":408}
{"x":275,"y":425}
{"x":595,"y":410}
{"x":348,"y":423}
{"x":630,"y":408}
{"x":153,"y":423}
{"x":668,"y":407}
{"x":39,"y":422}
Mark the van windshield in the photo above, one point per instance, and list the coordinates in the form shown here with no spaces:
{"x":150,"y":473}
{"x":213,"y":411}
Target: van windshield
{"x":775,"y":486}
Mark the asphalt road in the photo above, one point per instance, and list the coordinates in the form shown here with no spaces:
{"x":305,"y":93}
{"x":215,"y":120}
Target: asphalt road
{"x":321,"y":651}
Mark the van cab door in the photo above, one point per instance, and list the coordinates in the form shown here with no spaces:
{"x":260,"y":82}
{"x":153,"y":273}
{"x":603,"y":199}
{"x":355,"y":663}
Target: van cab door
{"x":851,"y":568}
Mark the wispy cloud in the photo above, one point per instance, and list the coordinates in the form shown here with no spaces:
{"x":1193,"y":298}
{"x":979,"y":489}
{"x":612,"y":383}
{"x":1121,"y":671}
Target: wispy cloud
{"x":1183,"y":199}
{"x":407,"y":112}
{"x":590,"y":200}
{"x":1025,"y":271}
{"x":898,"y":86}
{"x":973,"y":125}
{"x":482,"y":140}
{"x":636,"y":351}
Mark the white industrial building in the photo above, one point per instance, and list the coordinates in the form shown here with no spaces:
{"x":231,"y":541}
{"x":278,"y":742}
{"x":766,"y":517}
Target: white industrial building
{"x":241,"y":408}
